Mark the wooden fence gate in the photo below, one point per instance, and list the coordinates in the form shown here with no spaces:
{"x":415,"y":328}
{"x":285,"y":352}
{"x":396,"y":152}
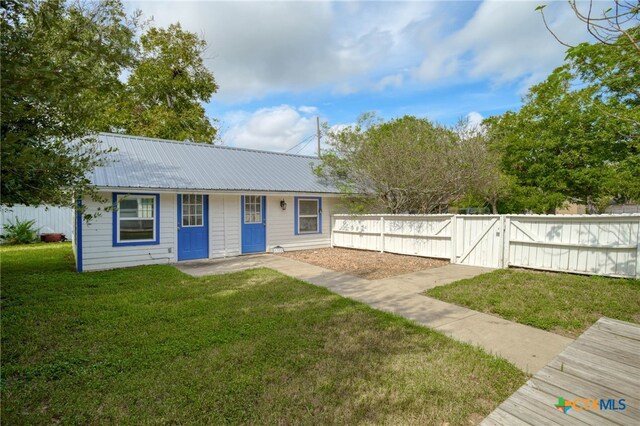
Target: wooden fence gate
{"x":587,"y":244}
{"x":479,"y":240}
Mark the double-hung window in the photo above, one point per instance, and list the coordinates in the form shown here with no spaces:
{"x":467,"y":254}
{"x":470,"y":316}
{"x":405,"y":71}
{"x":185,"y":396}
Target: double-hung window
{"x":135,"y":219}
{"x":308,"y":215}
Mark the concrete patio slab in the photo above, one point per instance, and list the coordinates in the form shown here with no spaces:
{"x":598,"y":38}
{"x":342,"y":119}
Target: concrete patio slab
{"x":527,"y":347}
{"x":200,"y":268}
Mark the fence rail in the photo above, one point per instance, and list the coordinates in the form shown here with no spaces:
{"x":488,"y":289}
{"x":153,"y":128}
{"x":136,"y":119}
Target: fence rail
{"x":606,"y":245}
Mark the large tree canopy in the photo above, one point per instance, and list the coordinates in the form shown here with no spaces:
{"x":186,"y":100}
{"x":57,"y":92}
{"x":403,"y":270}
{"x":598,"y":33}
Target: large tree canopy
{"x":405,"y":165}
{"x":577,"y":135}
{"x":62,"y":63}
{"x":164,"y":93}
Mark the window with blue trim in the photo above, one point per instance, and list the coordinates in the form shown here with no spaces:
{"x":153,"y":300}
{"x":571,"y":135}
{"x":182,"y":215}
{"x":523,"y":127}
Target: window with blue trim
{"x":308,"y":215}
{"x":136,"y":219}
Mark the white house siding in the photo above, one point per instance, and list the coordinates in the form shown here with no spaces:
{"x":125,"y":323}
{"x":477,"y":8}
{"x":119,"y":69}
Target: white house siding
{"x":97,"y":239}
{"x":225,"y":221}
{"x":224,"y":225}
{"x":280,"y":225}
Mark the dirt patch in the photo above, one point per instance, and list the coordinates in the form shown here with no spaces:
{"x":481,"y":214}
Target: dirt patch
{"x":371,"y":265}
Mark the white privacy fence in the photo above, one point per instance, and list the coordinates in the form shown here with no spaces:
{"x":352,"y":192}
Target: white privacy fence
{"x":47,"y":219}
{"x":589,"y":244}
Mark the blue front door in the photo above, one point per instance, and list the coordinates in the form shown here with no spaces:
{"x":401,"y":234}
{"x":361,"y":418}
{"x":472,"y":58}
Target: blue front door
{"x":254,"y":224}
{"x":193,"y":226}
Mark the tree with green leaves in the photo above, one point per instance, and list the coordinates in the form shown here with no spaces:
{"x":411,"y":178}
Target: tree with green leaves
{"x":577,"y":136}
{"x":60,"y":63}
{"x":489,"y":185}
{"x":166,"y":88}
{"x":61,"y":68}
{"x":407,"y":164}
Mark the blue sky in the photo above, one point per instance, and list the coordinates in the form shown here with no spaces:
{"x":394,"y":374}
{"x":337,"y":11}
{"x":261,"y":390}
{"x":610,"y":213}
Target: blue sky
{"x":281,"y":64}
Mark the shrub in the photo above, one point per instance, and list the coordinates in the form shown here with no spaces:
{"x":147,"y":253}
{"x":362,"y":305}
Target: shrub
{"x":19,"y":232}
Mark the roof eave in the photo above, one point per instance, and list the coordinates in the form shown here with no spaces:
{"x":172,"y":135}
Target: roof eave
{"x":214,"y":191}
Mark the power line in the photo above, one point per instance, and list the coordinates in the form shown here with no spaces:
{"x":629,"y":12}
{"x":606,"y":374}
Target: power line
{"x":301,"y":142}
{"x":309,"y":139}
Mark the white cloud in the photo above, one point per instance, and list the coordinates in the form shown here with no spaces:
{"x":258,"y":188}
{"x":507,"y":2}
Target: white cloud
{"x":258,"y":48}
{"x":394,"y":80}
{"x":503,"y":42}
{"x":474,"y":119}
{"x":308,"y":109}
{"x":272,"y":129}
{"x":342,"y":48}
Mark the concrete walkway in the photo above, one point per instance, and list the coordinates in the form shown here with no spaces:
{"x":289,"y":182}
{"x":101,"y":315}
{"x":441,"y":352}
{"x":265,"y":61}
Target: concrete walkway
{"x":527,"y":347}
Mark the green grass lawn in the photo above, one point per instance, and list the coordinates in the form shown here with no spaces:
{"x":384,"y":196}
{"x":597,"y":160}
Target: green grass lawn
{"x":153,"y":345}
{"x":561,"y":303}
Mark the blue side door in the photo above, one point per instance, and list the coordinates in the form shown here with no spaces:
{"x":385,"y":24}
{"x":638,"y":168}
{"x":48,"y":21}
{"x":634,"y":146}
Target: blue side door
{"x":193,"y":226}
{"x":254,"y":224}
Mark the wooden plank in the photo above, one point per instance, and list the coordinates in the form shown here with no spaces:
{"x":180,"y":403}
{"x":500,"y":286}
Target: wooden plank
{"x":608,"y":351}
{"x":435,"y":237}
{"x":600,"y":364}
{"x":616,"y":376}
{"x":514,"y":406}
{"x":506,"y":247}
{"x":477,"y":241}
{"x":441,"y":228}
{"x":454,"y":239}
{"x":341,"y":231}
{"x":539,"y":268}
{"x":557,"y":383}
{"x":619,"y":328}
{"x":382,"y":234}
{"x":525,"y":231}
{"x":578,"y":245}
{"x":544,"y":404}
{"x":609,"y":363}
{"x":500,"y":417}
{"x":595,"y":334}
{"x":595,"y":374}
{"x":630,"y":217}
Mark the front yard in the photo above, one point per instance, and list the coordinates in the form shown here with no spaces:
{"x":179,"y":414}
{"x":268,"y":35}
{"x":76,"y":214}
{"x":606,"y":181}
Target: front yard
{"x":153,"y":345}
{"x":561,"y":303}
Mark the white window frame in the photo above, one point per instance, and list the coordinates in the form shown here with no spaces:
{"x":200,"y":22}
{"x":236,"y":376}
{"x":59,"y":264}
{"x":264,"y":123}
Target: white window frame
{"x":154,"y":218}
{"x":317,"y":216}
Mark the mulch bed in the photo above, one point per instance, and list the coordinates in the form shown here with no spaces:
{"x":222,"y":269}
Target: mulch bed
{"x":371,"y":265}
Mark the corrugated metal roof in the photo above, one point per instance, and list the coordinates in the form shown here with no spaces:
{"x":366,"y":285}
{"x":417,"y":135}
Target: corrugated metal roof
{"x":162,"y":164}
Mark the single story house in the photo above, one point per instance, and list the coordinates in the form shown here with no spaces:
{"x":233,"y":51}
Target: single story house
{"x":181,"y":201}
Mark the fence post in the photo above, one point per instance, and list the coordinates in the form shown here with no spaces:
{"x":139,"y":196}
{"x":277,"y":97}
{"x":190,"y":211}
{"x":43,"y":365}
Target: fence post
{"x":454,"y":238}
{"x":507,"y":242}
{"x":638,"y":262}
{"x":381,"y":234}
{"x":333,"y":226}
{"x":504,"y":246}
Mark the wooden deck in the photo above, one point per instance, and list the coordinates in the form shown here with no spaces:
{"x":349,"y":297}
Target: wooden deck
{"x":603,"y":363}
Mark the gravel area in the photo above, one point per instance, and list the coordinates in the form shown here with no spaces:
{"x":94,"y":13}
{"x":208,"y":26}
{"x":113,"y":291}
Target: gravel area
{"x":371,"y":265}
